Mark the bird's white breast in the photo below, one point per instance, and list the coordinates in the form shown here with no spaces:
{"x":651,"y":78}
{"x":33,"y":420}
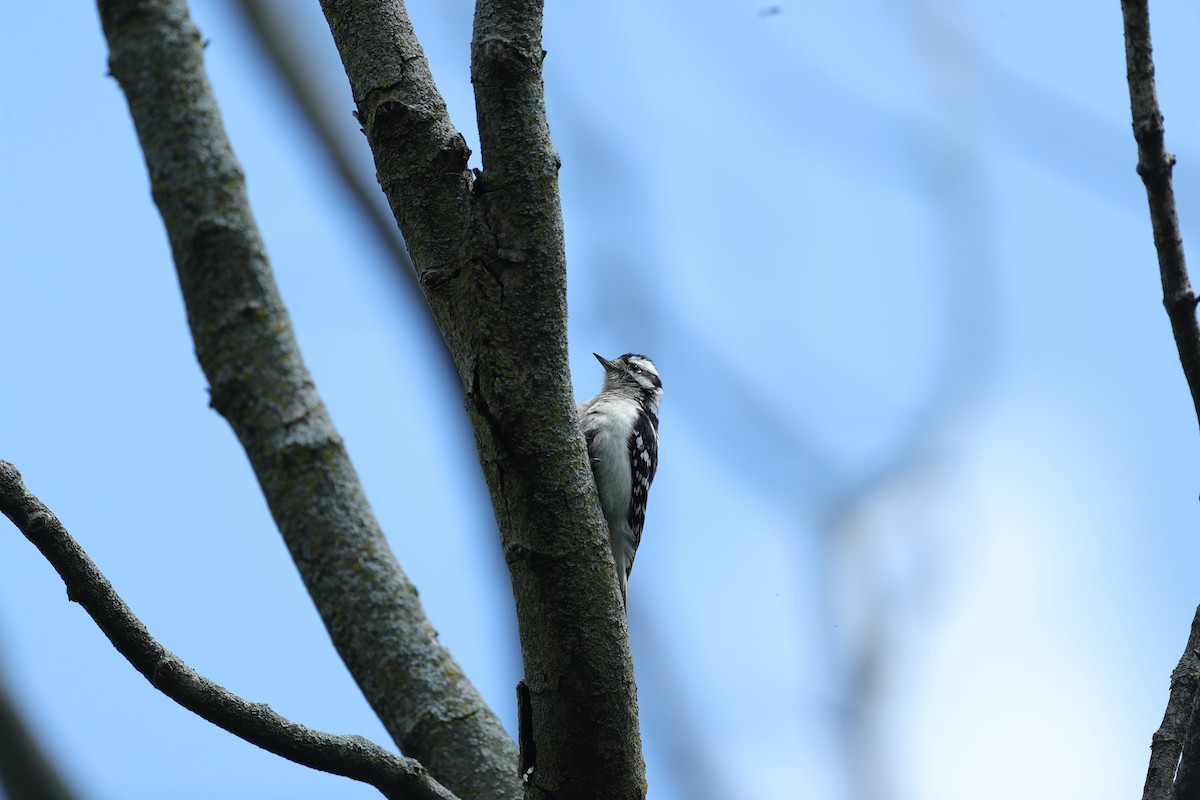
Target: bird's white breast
{"x":610,"y":451}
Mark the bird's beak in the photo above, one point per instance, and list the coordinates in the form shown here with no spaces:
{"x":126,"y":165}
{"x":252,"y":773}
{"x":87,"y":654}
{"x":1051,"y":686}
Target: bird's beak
{"x":608,"y":365}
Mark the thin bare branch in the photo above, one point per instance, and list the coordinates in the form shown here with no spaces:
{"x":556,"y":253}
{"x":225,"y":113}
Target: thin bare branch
{"x":350,"y":756}
{"x":259,"y":383}
{"x":1155,"y":165}
{"x":1167,"y":777}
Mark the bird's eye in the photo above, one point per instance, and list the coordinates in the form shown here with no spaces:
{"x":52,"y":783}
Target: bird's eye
{"x":635,"y":368}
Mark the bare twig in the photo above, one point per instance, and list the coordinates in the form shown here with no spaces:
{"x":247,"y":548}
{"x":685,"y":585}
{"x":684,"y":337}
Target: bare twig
{"x":1167,"y":778}
{"x":1155,"y":165}
{"x":349,"y":756}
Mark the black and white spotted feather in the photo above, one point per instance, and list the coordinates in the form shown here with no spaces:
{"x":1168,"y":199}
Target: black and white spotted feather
{"x":620,"y":425}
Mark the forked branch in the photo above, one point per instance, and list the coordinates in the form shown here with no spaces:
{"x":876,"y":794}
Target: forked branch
{"x":489,"y":252}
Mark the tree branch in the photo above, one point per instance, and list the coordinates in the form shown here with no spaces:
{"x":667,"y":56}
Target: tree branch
{"x":1179,"y":733}
{"x":1155,"y":165}
{"x":288,"y":57}
{"x":1167,"y":743}
{"x":246,"y":346}
{"x":26,"y":772}
{"x":594,"y":698}
{"x":518,"y":158}
{"x":1187,"y":776}
{"x":350,"y":756}
{"x":489,"y":255}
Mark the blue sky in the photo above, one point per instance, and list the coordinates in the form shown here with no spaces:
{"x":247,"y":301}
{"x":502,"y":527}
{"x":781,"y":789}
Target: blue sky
{"x":926,"y":514}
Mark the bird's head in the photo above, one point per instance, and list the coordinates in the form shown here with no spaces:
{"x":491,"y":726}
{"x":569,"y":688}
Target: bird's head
{"x":636,"y":374}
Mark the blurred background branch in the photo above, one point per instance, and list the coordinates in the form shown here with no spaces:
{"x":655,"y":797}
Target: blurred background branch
{"x":272,"y":27}
{"x":27,"y":771}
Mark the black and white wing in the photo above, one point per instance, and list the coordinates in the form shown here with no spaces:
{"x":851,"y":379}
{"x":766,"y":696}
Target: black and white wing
{"x":643,"y":462}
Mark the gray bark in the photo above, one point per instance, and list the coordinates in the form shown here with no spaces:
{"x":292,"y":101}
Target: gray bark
{"x":354,"y":757}
{"x":1174,"y":770}
{"x":1155,"y":165}
{"x":246,"y":347}
{"x":488,"y":250}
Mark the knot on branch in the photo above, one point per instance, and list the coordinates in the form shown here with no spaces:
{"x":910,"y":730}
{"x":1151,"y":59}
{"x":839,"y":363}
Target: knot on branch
{"x":395,"y":125}
{"x":1156,"y":167}
{"x":1148,"y":123}
{"x":387,"y":114}
{"x":453,"y":156}
{"x":504,"y":61}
